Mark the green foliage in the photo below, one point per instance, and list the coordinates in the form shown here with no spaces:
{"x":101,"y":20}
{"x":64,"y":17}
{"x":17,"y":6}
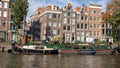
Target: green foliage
{"x":112,"y":16}
{"x":97,"y":41}
{"x":19,"y":10}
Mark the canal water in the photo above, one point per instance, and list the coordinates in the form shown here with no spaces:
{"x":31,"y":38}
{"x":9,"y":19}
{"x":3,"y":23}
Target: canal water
{"x":8,"y":60}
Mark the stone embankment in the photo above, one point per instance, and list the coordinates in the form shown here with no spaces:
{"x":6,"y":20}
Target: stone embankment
{"x":5,"y":47}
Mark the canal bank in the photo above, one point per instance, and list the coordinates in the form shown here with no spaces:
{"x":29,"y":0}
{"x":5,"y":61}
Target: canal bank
{"x":5,"y":46}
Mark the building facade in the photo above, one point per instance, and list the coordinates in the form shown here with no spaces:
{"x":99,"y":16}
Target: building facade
{"x":4,"y":19}
{"x":71,"y":24}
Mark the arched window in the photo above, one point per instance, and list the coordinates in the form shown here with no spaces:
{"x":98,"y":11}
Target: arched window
{"x":0,"y":4}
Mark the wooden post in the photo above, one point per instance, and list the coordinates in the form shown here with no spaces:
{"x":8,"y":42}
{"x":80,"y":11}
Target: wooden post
{"x":3,"y":49}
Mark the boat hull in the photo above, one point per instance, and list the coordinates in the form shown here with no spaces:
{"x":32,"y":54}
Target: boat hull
{"x":87,"y":52}
{"x":104,"y":52}
{"x":68,"y":51}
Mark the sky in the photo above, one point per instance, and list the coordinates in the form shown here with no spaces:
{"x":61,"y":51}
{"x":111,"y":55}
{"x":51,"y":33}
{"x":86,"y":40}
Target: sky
{"x":34,"y":4}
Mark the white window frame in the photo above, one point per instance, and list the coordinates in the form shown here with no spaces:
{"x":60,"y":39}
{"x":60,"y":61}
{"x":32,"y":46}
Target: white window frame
{"x":64,"y":20}
{"x":54,"y":24}
{"x":54,"y":32}
{"x":5,"y":14}
{"x":0,"y":13}
{"x":5,"y":5}
{"x":0,"y":4}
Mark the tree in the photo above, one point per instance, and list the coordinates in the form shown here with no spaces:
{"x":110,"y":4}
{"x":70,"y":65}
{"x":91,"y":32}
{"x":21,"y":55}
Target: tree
{"x":112,"y":16}
{"x":19,"y":10}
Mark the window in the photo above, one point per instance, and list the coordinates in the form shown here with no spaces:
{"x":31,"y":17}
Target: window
{"x":68,"y":20}
{"x":78,"y":18}
{"x":0,"y":4}
{"x":90,"y":33}
{"x":68,"y":28}
{"x":78,"y":26}
{"x":81,"y":17}
{"x":90,"y":11}
{"x":54,"y":16}
{"x":69,"y":8}
{"x":5,"y":14}
{"x":90,"y":25}
{"x":50,"y":15}
{"x":90,"y":17}
{"x":103,"y":25}
{"x":94,"y":18}
{"x":68,"y":13}
{"x":0,"y":13}
{"x":12,"y":26}
{"x":59,"y":24}
{"x":94,"y":11}
{"x":59,"y":16}
{"x":94,"y":33}
{"x":85,"y":26}
{"x":73,"y":14}
{"x":72,"y":37}
{"x":54,"y":31}
{"x":45,"y":24}
{"x":98,"y":33}
{"x":103,"y":31}
{"x":73,"y":21}
{"x":64,"y":27}
{"x":73,"y":28}
{"x":20,"y":26}
{"x":65,"y":20}
{"x":5,"y":5}
{"x":55,"y":8}
{"x":85,"y":18}
{"x":3,"y":23}
{"x":54,"y":24}
{"x":106,"y":25}
{"x":78,"y":33}
{"x":94,"y":25}
{"x":98,"y":19}
{"x":49,"y":24}
{"x":99,"y":26}
{"x":65,"y":14}
{"x":98,"y":12}
{"x":78,"y":38}
{"x":82,"y":10}
{"x":58,"y":31}
{"x":81,"y":26}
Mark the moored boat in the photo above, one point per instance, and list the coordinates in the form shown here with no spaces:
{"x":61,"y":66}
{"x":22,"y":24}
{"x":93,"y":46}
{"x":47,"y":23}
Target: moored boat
{"x":33,"y":49}
{"x":87,"y":52}
{"x":68,"y":51}
{"x":105,"y":52}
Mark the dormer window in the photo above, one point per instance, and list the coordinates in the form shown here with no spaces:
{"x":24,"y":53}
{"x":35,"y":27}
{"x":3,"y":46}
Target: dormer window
{"x":82,"y":10}
{"x":55,"y":8}
{"x":69,"y":8}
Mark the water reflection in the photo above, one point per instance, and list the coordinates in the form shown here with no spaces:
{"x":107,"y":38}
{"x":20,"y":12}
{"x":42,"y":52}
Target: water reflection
{"x":58,"y":61}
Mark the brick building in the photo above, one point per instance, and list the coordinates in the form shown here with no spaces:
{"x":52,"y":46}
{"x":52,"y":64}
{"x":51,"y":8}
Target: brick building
{"x":72,"y":24}
{"x":4,"y":19}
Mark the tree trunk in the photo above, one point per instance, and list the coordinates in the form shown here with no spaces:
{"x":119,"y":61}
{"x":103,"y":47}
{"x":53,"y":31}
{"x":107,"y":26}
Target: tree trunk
{"x":16,"y":32}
